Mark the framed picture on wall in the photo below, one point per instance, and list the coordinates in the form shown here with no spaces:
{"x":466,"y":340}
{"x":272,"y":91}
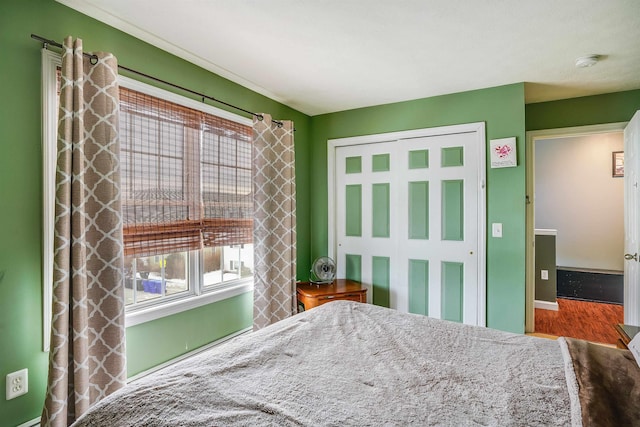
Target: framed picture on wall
{"x":618,"y":164}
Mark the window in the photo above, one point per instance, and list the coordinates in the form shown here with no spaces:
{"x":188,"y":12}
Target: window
{"x":186,"y":198}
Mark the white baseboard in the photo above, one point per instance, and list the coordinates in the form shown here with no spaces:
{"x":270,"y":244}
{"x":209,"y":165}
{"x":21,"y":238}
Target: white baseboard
{"x":33,"y":423}
{"x":546,"y":305}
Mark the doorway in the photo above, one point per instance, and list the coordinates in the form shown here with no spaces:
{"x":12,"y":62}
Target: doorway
{"x":585,"y":254}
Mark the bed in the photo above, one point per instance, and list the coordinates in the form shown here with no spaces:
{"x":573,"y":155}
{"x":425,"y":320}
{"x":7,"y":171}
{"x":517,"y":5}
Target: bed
{"x":348,"y":363}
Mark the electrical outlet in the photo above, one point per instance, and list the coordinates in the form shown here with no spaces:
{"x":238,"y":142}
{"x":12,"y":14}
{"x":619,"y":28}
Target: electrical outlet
{"x":544,"y":274}
{"x":17,"y":383}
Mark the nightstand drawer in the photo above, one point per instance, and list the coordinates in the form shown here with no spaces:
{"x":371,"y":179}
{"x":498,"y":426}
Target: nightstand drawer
{"x":350,"y":297}
{"x":311,"y":295}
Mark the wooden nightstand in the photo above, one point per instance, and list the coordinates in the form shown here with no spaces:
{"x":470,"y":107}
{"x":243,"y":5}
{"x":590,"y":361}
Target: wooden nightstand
{"x":311,"y":295}
{"x":626,"y":332}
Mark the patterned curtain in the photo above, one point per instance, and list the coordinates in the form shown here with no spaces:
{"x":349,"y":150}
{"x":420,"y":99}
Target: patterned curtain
{"x":274,"y":221}
{"x":87,"y":357}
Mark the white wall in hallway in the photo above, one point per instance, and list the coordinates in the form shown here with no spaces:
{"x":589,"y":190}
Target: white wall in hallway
{"x":576,"y":194}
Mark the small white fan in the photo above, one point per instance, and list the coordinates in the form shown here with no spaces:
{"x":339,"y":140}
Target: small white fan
{"x":323,"y":270}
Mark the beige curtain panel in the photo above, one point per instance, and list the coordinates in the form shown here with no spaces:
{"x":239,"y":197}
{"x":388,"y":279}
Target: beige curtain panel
{"x":87,"y":358}
{"x":274,"y":221}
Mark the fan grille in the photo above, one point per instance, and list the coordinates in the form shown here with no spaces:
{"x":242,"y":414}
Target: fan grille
{"x":323,"y":270}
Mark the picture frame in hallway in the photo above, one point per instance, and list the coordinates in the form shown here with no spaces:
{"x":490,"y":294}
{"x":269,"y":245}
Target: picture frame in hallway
{"x":617,"y":164}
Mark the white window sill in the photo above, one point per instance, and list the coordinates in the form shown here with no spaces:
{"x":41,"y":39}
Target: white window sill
{"x":137,"y":317}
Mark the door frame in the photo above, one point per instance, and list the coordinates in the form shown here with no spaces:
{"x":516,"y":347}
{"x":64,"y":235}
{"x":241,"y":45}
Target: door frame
{"x":479,"y":129}
{"x":531,"y":138}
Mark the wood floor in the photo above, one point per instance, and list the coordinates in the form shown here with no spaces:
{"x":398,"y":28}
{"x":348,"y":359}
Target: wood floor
{"x":590,"y":321}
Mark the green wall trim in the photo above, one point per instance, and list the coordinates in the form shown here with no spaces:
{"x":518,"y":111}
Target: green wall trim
{"x":418,"y":159}
{"x":353,"y":210}
{"x":419,"y":210}
{"x":381,"y":277}
{"x":380,"y":210}
{"x":380,"y":163}
{"x":353,"y":164}
{"x":452,"y":156}
{"x":353,"y":267}
{"x":453,"y":209}
{"x":419,"y":286}
{"x":452,"y":291}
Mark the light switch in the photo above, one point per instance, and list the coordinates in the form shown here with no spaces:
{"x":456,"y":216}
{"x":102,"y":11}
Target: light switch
{"x":544,"y":274}
{"x":496,"y":229}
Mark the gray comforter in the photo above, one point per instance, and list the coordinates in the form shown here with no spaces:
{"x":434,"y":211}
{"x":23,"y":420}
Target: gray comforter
{"x":346,"y":363}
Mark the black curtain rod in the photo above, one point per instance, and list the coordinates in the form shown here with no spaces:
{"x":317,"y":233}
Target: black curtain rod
{"x":93,"y":58}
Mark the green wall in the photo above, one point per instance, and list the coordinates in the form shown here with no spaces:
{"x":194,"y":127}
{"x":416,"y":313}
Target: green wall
{"x":502,"y":109}
{"x":21,"y":194}
{"x":174,"y":335}
{"x":588,"y":110}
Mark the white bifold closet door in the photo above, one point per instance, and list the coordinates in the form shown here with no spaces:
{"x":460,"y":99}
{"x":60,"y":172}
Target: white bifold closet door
{"x":409,"y":219}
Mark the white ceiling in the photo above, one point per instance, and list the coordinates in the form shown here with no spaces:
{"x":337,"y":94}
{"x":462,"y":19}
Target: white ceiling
{"x":321,"y":56}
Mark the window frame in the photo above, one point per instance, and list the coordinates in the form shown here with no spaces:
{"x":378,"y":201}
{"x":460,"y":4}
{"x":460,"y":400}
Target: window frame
{"x":198,"y":294}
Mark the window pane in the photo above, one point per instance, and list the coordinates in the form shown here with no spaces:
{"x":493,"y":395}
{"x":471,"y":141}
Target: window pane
{"x":227,"y":263}
{"x":245,"y":185}
{"x":212,"y":273}
{"x":238,"y":261}
{"x":176,"y":273}
{"x":132,"y":281}
{"x":151,"y":157}
{"x":149,"y":278}
{"x":246,"y":259}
